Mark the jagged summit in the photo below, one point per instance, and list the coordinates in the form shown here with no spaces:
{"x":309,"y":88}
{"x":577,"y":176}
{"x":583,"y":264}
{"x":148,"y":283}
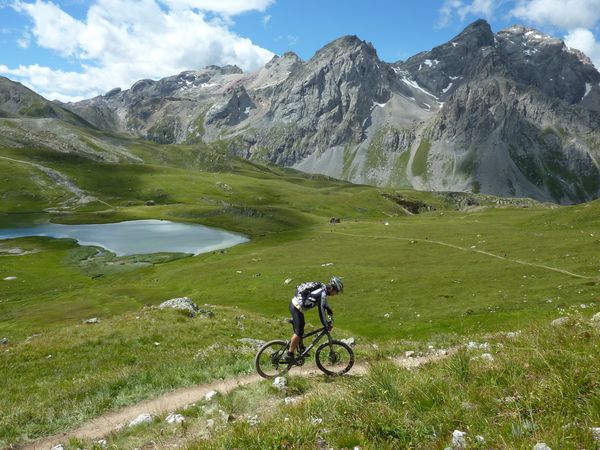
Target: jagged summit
{"x":345,"y":44}
{"x":477,"y":34}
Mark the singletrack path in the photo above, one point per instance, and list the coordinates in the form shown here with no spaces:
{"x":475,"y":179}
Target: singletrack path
{"x":474,"y":250}
{"x":171,"y":401}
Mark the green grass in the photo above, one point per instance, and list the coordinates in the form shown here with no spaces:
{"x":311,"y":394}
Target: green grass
{"x":438,"y":277}
{"x":419,"y":165}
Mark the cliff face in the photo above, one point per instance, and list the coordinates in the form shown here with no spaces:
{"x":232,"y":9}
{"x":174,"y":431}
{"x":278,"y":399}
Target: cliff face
{"x":510,"y":113}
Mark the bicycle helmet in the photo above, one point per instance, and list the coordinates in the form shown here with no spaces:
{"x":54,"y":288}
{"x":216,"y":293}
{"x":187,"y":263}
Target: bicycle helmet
{"x":336,"y":283}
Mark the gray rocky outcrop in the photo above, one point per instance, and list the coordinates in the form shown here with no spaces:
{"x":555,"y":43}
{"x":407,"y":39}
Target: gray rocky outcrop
{"x":181,"y":304}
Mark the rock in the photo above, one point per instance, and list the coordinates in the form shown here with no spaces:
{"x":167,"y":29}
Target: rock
{"x":596,"y":318}
{"x":149,"y":203}
{"x":210,"y":423}
{"x":595,"y":433}
{"x":92,"y":320}
{"x":480,"y":439}
{"x":327,"y":264}
{"x":4,"y":341}
{"x":102,"y":442}
{"x":316,"y":420}
{"x":181,"y":304}
{"x":474,"y":345}
{"x":541,"y":446}
{"x":409,"y":354}
{"x":387,"y":315}
{"x":256,"y":343}
{"x":280,"y":383}
{"x":58,"y":447}
{"x":459,"y":439}
{"x":560,"y":321}
{"x":142,"y":418}
{"x":252,"y":420}
{"x":174,"y":418}
{"x":10,"y":278}
{"x":349,"y":341}
{"x":210,"y":395}
{"x":487,"y":357}
{"x":287,"y":281}
{"x":290,"y":400}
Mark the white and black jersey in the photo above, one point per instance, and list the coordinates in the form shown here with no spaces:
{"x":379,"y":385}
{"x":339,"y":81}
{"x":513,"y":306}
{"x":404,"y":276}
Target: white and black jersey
{"x":311,"y":294}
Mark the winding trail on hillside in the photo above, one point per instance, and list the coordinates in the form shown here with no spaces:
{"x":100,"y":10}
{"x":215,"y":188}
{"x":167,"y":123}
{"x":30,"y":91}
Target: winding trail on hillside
{"x":180,"y":398}
{"x":473,"y":250}
{"x":61,"y":180}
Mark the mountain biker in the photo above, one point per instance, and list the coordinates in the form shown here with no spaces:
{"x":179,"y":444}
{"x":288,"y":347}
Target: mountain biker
{"x":308,"y":295}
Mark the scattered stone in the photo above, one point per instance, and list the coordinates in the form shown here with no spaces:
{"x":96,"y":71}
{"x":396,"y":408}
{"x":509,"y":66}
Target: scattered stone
{"x":474,"y":345}
{"x":387,"y":315}
{"x":226,"y":416}
{"x":487,"y":357}
{"x":513,"y":334}
{"x":142,"y":418}
{"x":182,"y":304}
{"x":316,"y":420}
{"x":541,"y":446}
{"x":334,"y":220}
{"x":156,"y":344}
{"x":252,"y":420}
{"x":224,"y":186}
{"x":49,"y":357}
{"x":256,"y":343}
{"x":174,"y":418}
{"x":102,"y":442}
{"x":210,"y":395}
{"x":326,"y":264}
{"x":92,"y":320}
{"x":596,"y":318}
{"x":459,"y":439}
{"x":287,"y":281}
{"x":595,"y":433}
{"x":10,"y":278}
{"x":480,"y":439}
{"x":210,"y":423}
{"x":4,"y":341}
{"x":559,"y":322}
{"x":58,"y":447}
{"x":409,"y":354}
{"x":290,"y":400}
{"x":149,"y":203}
{"x":386,"y":224}
{"x":349,"y":341}
{"x":280,"y":383}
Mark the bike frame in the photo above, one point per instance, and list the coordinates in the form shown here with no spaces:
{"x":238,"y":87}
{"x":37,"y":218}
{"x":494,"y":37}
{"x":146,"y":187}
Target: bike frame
{"x":322,"y":332}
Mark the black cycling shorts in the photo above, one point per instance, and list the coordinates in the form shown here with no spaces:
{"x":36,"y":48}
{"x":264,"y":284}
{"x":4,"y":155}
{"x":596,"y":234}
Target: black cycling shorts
{"x":298,"y":318}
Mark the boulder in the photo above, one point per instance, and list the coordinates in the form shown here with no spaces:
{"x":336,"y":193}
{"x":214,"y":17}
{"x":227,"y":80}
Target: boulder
{"x":541,"y":446}
{"x":92,"y":320}
{"x":142,"y":418}
{"x":181,"y":304}
{"x":459,"y":439}
{"x":280,"y":383}
{"x":4,"y":341}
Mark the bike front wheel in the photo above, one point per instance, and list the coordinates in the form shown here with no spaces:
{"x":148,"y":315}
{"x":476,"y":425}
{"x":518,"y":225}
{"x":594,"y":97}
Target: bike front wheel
{"x":334,"y":358}
{"x":269,"y":360}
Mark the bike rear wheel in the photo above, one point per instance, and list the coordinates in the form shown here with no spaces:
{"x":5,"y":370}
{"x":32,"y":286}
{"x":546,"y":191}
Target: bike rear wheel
{"x":269,"y":360}
{"x":334,"y":358}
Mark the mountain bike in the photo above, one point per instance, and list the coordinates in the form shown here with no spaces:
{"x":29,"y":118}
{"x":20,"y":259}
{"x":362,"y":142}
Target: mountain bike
{"x":332,"y":357}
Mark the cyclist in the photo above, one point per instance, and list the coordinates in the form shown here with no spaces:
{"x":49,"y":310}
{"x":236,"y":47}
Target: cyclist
{"x":308,"y":295}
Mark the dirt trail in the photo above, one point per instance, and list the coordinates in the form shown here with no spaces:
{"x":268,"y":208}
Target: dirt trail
{"x":171,"y":401}
{"x":474,"y":250}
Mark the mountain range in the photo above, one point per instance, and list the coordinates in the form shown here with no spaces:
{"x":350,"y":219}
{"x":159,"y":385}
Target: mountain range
{"x":513,"y":113}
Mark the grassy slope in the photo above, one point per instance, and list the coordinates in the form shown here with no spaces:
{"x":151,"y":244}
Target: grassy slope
{"x":430,"y":291}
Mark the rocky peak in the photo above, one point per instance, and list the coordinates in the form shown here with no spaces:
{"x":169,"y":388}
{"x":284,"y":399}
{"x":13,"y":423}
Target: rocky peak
{"x":478,"y":34}
{"x":350,"y":44}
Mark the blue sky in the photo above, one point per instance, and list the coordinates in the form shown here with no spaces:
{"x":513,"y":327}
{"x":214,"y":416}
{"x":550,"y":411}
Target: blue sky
{"x":74,"y":49}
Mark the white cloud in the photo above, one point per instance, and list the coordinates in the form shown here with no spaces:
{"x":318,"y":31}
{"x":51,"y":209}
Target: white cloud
{"x":228,"y":7}
{"x":584,"y":40}
{"x":478,"y":8}
{"x":122,"y":41}
{"x":265,"y":20}
{"x":565,"y":14}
